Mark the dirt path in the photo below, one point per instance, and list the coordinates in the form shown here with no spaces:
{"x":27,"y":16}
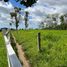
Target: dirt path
{"x":21,"y":55}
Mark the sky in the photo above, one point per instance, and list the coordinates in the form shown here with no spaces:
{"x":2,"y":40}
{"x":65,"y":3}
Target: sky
{"x":38,"y":11}
{"x":44,"y":7}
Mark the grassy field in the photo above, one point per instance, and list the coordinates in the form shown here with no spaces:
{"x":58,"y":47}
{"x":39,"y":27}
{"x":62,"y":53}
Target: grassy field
{"x":53,"y":45}
{"x":3,"y":55}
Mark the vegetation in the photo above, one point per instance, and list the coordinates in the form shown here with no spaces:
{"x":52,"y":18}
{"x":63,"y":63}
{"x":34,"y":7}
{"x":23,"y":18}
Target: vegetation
{"x":14,"y":15}
{"x":57,"y":27}
{"x":53,"y":46}
{"x":26,"y":19}
{"x":3,"y":55}
{"x":27,"y":3}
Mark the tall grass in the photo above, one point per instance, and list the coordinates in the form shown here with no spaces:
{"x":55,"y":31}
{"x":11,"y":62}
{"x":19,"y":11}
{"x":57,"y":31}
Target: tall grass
{"x":3,"y":56}
{"x":53,"y":46}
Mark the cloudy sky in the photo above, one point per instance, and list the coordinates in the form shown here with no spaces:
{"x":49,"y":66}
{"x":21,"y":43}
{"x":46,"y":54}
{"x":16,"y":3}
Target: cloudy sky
{"x":44,"y":7}
{"x":39,"y":10}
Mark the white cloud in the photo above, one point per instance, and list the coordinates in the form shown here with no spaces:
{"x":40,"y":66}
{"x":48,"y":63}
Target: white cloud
{"x":38,"y":10}
{"x":5,"y":9}
{"x":44,"y":7}
{"x":53,"y":2}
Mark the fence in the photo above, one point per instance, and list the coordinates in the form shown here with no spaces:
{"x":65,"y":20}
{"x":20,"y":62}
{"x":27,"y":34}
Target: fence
{"x":13,"y":61}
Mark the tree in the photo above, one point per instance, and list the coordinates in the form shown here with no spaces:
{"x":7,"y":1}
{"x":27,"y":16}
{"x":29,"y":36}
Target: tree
{"x":14,"y":14}
{"x":6,"y":0}
{"x":63,"y":25}
{"x":41,"y":25}
{"x":26,"y":19}
{"x":62,"y":22}
{"x":62,"y":19}
{"x":54,"y":24}
{"x":27,"y":3}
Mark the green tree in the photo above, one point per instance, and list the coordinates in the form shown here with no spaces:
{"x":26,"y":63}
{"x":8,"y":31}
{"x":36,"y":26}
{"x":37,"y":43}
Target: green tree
{"x":26,"y":19}
{"x":62,"y":19}
{"x":54,"y":24}
{"x":27,"y":3}
{"x":6,"y":0}
{"x":14,"y":14}
{"x":62,"y":22}
{"x":41,"y":25}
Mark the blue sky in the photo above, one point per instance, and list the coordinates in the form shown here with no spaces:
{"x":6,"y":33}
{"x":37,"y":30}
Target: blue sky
{"x":31,"y":24}
{"x":40,"y":10}
{"x":17,"y":4}
{"x":21,"y":25}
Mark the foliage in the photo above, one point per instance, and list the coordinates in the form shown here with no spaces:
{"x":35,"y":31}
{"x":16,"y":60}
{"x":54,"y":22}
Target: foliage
{"x":14,"y":15}
{"x":27,"y":3}
{"x":41,"y":25}
{"x":62,"y":26}
{"x":26,"y":19}
{"x":6,"y":0}
{"x":62,"y":19}
{"x":3,"y":55}
{"x":53,"y":45}
{"x":54,"y":19}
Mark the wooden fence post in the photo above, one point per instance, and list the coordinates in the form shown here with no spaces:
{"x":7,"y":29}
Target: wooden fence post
{"x":39,"y":41}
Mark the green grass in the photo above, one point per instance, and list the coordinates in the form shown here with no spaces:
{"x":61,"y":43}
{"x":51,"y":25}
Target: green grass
{"x":3,"y":55}
{"x":53,"y":45}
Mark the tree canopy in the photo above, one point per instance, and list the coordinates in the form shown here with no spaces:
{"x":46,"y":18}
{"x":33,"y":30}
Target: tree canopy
{"x":6,"y":0}
{"x":27,"y":3}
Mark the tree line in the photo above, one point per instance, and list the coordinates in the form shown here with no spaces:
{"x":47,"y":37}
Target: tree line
{"x":61,"y":26}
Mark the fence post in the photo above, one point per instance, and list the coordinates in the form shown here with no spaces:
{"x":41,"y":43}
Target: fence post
{"x":39,"y":41}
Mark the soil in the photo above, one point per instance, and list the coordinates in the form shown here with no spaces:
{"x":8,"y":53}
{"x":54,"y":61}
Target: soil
{"x":21,"y":55}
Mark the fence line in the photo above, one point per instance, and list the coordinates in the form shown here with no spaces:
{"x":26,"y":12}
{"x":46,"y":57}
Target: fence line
{"x":13,"y":61}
